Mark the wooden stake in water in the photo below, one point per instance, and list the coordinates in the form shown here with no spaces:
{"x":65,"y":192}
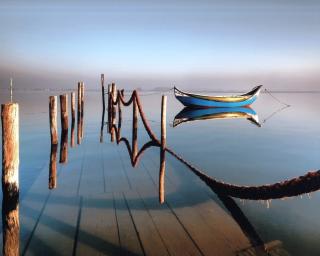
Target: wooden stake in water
{"x":82,"y":108}
{"x":10,"y":178}
{"x":134,"y":129}
{"x":73,"y":117}
{"x":64,"y":130}
{"x":109,"y":107}
{"x":53,"y":119}
{"x":114,"y":93}
{"x":162,"y":148}
{"x":103,"y":93}
{"x":163,"y":121}
{"x":64,"y":112}
{"x":113,"y":111}
{"x":79,"y":115}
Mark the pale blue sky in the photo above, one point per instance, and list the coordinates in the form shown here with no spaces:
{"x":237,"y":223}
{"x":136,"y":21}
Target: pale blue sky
{"x":209,"y":44}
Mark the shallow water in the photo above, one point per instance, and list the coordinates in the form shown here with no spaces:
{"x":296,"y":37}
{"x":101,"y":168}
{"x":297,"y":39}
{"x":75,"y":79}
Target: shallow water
{"x":236,"y":151}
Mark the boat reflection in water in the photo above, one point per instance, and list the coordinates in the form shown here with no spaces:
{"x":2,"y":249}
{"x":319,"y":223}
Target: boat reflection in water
{"x":193,"y":114}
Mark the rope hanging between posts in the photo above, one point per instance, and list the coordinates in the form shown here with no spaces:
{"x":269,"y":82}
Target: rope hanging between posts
{"x":288,"y":188}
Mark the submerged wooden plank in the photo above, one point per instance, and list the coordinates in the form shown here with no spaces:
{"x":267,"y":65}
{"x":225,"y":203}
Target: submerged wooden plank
{"x":69,"y":178}
{"x":98,"y":231}
{"x":113,"y":170}
{"x":92,"y":178}
{"x":56,"y":228}
{"x":196,"y":211}
{"x":175,"y":237}
{"x":137,"y":175}
{"x":31,"y":207}
{"x":150,"y":238}
{"x":128,"y":236}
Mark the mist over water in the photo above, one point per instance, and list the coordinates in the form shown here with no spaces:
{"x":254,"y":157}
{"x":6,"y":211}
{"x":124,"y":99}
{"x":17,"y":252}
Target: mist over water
{"x":205,"y":45}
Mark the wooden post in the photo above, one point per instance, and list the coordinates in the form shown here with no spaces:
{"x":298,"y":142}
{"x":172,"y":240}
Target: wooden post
{"x":64,"y":130}
{"x":53,"y":119}
{"x":82,"y":108}
{"x":163,"y":147}
{"x":163,"y":121}
{"x":109,"y":107}
{"x":113,"y":123}
{"x":79,"y":115}
{"x":53,"y":167}
{"x":114,"y":92}
{"x":10,"y":178}
{"x":119,"y":114}
{"x":113,"y":110}
{"x":134,"y":129}
{"x":64,"y":112}
{"x":103,"y":107}
{"x":103,"y":93}
{"x":73,"y":117}
{"x":102,"y":126}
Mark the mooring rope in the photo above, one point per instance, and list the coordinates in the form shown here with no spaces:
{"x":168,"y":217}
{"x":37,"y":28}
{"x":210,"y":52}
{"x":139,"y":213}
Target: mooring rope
{"x":274,"y":113}
{"x":275,"y":98}
{"x":142,"y":94}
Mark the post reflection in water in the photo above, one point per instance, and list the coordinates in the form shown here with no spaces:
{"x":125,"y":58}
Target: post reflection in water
{"x":53,"y":167}
{"x":64,"y":146}
{"x":162,"y":175}
{"x":134,"y":153}
{"x":73,"y":118}
{"x":10,"y":220}
{"x":289,"y":188}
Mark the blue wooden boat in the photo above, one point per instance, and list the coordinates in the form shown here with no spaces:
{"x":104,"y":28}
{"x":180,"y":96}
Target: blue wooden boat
{"x":197,"y":100}
{"x":193,"y":114}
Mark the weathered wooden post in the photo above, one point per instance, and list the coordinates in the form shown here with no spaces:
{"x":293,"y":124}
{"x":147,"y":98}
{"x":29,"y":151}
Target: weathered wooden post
{"x":103,"y":107}
{"x":163,"y":147}
{"x":109,"y":107}
{"x":64,"y":128}
{"x":113,"y":110}
{"x":53,"y":167}
{"x":102,"y":126}
{"x":134,"y":128}
{"x":10,"y":178}
{"x":64,"y":112}
{"x":73,"y":117}
{"x":113,"y":123}
{"x":119,"y":123}
{"x":79,"y":115}
{"x":163,"y":121}
{"x":119,"y":113}
{"x":53,"y":119}
{"x":114,"y":93}
{"x":82,"y":108}
{"x":103,"y":93}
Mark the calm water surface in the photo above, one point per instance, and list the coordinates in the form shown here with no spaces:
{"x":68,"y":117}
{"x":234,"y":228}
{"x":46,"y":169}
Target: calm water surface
{"x":232,"y":150}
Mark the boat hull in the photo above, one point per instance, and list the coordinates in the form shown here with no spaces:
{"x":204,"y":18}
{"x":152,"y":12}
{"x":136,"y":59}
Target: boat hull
{"x":207,"y":101}
{"x":196,"y":102}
